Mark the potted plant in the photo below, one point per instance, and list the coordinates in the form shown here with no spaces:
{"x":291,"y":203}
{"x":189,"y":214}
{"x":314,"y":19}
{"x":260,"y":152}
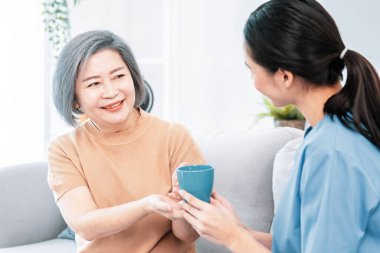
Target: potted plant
{"x":57,"y":22}
{"x":287,"y":116}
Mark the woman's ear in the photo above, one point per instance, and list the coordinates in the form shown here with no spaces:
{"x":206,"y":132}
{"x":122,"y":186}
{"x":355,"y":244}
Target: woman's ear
{"x":284,"y":78}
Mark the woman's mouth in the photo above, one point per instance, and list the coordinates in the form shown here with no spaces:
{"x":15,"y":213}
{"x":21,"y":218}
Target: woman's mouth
{"x":114,"y":106}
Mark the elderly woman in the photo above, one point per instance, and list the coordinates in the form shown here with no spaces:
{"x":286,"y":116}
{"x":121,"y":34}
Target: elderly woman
{"x":111,"y":175}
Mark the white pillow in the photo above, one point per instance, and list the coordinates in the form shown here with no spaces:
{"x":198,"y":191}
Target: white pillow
{"x":282,"y":167}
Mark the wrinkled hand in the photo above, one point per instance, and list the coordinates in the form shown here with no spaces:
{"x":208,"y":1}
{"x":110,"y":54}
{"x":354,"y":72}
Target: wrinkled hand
{"x":216,"y":221}
{"x":165,"y":206}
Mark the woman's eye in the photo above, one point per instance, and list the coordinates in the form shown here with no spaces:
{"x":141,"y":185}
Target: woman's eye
{"x":93,"y":84}
{"x":119,"y":76}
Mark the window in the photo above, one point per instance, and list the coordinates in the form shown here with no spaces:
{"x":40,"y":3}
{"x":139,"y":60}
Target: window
{"x":22,"y":95}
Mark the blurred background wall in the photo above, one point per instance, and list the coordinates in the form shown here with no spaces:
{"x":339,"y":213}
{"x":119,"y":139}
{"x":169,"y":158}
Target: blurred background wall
{"x":189,"y":51}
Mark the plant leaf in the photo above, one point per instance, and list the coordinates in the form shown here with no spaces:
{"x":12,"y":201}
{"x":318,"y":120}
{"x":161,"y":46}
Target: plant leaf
{"x":288,"y":112}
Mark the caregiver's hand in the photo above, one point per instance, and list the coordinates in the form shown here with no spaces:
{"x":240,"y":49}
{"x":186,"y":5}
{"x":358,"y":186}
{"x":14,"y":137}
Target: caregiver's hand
{"x":217,"y":199}
{"x":216,"y":221}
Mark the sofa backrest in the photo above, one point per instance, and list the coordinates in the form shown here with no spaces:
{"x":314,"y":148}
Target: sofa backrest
{"x":27,"y":204}
{"x":243,"y":162}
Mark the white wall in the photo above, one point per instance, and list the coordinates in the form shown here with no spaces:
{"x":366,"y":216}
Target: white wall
{"x":22,"y":95}
{"x":358,"y":22}
{"x":191,"y":52}
{"x":214,"y":86}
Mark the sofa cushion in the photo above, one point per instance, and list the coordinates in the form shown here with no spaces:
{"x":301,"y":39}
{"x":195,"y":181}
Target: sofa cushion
{"x":50,"y":246}
{"x":243,"y":162}
{"x":34,"y":217}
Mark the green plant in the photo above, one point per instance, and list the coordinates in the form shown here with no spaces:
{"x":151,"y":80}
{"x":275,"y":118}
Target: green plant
{"x":289,"y":112}
{"x":57,"y":23}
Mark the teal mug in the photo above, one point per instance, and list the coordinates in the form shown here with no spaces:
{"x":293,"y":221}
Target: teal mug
{"x":197,"y":180}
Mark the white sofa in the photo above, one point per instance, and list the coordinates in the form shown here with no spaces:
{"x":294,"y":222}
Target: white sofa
{"x":243,"y":161}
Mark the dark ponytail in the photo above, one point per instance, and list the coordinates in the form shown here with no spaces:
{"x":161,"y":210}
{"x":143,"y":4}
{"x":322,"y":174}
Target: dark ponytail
{"x":300,"y":36}
{"x":360,"y":96}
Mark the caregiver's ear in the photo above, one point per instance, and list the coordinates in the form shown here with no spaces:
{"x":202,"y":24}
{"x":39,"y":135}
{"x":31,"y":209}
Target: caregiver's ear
{"x":284,"y":78}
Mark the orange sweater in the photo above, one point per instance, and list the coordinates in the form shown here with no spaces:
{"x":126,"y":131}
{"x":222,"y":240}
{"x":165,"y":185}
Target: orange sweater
{"x":119,"y":168}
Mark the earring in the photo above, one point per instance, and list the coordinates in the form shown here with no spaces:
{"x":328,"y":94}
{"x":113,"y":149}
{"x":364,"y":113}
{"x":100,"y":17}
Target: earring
{"x":83,"y":118}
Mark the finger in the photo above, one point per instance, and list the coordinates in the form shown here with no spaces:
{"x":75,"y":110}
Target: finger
{"x":199,"y":204}
{"x":222,"y":200}
{"x":215,"y":202}
{"x":168,"y":200}
{"x":191,"y":220}
{"x":194,"y":222}
{"x":169,"y":209}
{"x":177,"y":215}
{"x":175,"y":189}
{"x":177,"y":199}
{"x":170,"y":203}
{"x":216,"y":195}
{"x":190,"y":209}
{"x":173,"y":214}
{"x":175,"y":196}
{"x":172,"y":195}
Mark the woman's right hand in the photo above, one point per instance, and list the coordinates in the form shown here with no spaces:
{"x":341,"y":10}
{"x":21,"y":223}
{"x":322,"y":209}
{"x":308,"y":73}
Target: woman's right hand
{"x":165,"y":206}
{"x":219,"y":223}
{"x":216,"y":221}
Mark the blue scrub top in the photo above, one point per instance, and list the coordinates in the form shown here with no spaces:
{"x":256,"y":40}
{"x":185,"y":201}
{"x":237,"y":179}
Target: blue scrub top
{"x":332,"y":200}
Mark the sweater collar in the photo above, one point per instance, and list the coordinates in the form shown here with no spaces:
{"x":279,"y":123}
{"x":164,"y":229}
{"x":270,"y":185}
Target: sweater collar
{"x":123,"y":137}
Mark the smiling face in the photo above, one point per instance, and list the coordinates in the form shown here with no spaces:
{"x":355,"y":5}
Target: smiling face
{"x":105,"y":92}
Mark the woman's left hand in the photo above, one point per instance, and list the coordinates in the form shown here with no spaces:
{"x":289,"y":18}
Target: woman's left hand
{"x":215,"y":222}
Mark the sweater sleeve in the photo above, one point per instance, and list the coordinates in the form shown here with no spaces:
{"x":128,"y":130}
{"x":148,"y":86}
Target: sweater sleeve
{"x":183,"y":148}
{"x":64,"y":173}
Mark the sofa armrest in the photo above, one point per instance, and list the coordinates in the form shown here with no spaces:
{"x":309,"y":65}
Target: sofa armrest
{"x":28,"y":213}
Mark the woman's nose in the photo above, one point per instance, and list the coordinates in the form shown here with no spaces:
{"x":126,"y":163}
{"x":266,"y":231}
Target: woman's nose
{"x":109,"y":91}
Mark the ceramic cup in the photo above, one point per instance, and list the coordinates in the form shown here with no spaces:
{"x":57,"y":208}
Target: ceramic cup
{"x":197,"y":180}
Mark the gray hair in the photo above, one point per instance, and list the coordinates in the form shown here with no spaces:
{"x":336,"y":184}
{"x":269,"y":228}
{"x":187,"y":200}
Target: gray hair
{"x":76,"y":52}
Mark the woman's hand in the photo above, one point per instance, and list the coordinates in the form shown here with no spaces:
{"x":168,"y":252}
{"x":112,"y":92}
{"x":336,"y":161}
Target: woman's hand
{"x":217,"y":199}
{"x":165,"y":206}
{"x":175,"y":186}
{"x":181,"y":228}
{"x":216,"y":221}
{"x":169,"y":206}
